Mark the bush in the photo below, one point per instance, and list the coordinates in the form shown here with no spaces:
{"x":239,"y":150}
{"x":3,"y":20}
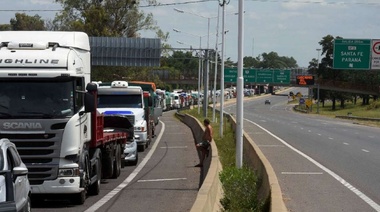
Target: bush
{"x":240,"y":190}
{"x":374,"y":105}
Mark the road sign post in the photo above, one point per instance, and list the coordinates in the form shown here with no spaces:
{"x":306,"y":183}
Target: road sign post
{"x":352,"y":54}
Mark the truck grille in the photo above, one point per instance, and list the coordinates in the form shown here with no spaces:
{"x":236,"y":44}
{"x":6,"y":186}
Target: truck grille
{"x":40,"y":153}
{"x":131,"y":119}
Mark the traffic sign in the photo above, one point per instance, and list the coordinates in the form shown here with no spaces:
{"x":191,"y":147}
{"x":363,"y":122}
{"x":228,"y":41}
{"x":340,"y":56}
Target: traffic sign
{"x":249,"y":75}
{"x":230,"y":74}
{"x":264,"y":76}
{"x":305,"y":80}
{"x":352,"y":54}
{"x":281,"y":76}
{"x":302,"y":101}
{"x":375,"y":61}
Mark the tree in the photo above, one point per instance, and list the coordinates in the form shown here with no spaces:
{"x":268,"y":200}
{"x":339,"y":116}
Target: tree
{"x":104,"y":17}
{"x":251,"y":62}
{"x":26,"y":22}
{"x":5,"y":27}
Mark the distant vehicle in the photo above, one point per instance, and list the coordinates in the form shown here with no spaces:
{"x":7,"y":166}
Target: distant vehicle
{"x":14,"y":184}
{"x":267,"y":101}
{"x":131,"y":153}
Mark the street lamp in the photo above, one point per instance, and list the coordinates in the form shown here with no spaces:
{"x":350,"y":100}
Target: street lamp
{"x":318,"y":50}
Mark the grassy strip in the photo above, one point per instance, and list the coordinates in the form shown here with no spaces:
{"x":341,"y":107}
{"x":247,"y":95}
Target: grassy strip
{"x":350,"y":109}
{"x":239,"y":185}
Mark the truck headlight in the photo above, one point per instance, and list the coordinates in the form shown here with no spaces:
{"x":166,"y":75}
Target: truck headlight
{"x":68,"y":172}
{"x":139,"y":129}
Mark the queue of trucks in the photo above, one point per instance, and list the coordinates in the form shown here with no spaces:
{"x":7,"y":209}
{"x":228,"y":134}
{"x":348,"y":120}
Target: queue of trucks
{"x":59,"y":120}
{"x":71,"y":132}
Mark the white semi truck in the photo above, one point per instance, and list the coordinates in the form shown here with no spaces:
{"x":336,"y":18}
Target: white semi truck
{"x":47,"y":112}
{"x":119,"y":98}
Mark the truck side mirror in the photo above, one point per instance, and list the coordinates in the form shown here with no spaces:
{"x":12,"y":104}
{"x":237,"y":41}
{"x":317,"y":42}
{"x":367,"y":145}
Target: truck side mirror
{"x":89,"y":103}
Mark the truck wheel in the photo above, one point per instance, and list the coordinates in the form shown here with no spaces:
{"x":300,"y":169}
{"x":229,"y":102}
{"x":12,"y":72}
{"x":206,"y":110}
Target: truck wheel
{"x":141,"y":148}
{"x":79,"y":199}
{"x":94,"y":189}
{"x":117,"y":163}
{"x":108,"y":166}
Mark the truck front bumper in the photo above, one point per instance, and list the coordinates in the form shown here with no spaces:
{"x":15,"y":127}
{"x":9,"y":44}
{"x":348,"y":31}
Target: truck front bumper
{"x":61,"y":185}
{"x":142,"y":138}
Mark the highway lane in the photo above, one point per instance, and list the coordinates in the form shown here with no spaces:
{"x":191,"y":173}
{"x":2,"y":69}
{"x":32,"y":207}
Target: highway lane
{"x":165,"y":178}
{"x":323,"y":164}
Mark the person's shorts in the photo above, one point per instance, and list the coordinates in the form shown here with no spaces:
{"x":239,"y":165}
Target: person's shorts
{"x":204,"y":144}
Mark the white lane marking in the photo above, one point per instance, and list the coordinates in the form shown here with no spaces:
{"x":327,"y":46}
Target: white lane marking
{"x":129,"y":179}
{"x":173,"y":133}
{"x":319,"y":134}
{"x":270,"y":145}
{"x":346,"y":143}
{"x":309,"y":131}
{"x":371,"y":136}
{"x":302,"y":173}
{"x":364,"y":150}
{"x":356,"y":191}
{"x":161,"y":180}
{"x":174,"y":147}
{"x":331,"y":138}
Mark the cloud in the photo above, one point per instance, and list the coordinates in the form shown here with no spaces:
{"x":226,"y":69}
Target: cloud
{"x":45,"y":2}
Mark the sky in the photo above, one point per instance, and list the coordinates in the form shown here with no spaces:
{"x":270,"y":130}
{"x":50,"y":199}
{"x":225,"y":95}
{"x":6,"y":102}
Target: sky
{"x":291,"y":28}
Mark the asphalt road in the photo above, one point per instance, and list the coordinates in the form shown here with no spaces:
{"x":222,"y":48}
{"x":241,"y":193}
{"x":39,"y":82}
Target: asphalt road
{"x":165,"y":178}
{"x":323,"y":164}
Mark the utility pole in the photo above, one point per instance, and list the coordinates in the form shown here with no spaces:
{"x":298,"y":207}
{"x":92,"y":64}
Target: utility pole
{"x":222,"y":4}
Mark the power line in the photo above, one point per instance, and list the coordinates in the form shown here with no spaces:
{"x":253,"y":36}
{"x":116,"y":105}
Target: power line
{"x":203,"y":1}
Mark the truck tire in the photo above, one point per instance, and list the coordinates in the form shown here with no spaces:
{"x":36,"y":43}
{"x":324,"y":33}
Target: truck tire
{"x":108,"y":166}
{"x":141,"y":148}
{"x":94,"y":189}
{"x":117,"y":163}
{"x":79,"y":199}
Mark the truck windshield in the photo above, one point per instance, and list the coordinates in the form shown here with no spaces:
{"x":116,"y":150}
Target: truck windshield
{"x":119,"y":101}
{"x":32,"y":99}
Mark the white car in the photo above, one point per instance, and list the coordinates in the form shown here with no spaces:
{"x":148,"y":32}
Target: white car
{"x":130,"y":152}
{"x":15,"y":189}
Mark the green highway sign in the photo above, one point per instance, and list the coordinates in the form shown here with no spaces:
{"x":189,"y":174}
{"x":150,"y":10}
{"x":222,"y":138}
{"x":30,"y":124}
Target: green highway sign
{"x":264,"y":76}
{"x":249,"y":75}
{"x":281,"y":76}
{"x":352,"y":54}
{"x":259,"y":76}
{"x":230,"y":74}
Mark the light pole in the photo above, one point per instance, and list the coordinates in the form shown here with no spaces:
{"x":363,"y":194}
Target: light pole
{"x":318,"y":50}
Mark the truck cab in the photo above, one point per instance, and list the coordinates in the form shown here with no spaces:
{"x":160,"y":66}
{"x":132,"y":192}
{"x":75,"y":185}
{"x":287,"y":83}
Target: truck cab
{"x":119,"y":98}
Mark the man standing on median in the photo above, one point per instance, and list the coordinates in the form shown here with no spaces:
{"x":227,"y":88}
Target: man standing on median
{"x":204,"y":145}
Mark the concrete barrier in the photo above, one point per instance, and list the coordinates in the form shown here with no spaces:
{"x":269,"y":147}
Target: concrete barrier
{"x":269,"y":189}
{"x":210,"y":193}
